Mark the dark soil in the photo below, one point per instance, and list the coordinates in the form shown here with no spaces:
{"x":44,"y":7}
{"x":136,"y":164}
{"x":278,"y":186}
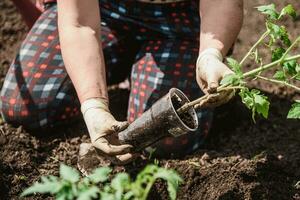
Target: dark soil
{"x":241,"y":160}
{"x":185,"y":116}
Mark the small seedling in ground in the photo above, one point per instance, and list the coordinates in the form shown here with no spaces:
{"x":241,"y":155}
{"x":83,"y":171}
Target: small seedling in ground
{"x":276,"y":39}
{"x":97,"y":185}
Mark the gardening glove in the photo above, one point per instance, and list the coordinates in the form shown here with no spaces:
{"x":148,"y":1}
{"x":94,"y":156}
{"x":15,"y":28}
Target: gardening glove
{"x":210,"y":70}
{"x":103,"y":129}
{"x":216,"y":99}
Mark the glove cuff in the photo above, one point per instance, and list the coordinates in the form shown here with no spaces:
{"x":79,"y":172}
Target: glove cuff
{"x":210,"y":52}
{"x":94,"y":103}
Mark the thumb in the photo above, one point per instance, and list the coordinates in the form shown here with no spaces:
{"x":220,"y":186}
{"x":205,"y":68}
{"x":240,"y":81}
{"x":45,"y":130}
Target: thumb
{"x":119,"y":126}
{"x":212,"y":83}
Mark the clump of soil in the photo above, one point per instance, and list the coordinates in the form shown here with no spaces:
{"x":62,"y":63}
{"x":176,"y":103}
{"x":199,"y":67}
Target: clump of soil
{"x":240,"y":159}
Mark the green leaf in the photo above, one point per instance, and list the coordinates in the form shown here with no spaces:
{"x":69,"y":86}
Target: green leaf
{"x":231,"y":79}
{"x":89,"y":194}
{"x":100,"y":175}
{"x":47,"y":185}
{"x":277,"y":53}
{"x":284,"y":36}
{"x":290,"y":67}
{"x":288,"y":10}
{"x":261,"y":105}
{"x":107,"y":196}
{"x":234,"y":65}
{"x":294,"y":112}
{"x":172,"y":178}
{"x":278,"y":32}
{"x":255,"y":101}
{"x":120,"y":182}
{"x":280,"y":75}
{"x":129,"y":195}
{"x":68,"y":173}
{"x":269,"y":10}
{"x":247,"y":98}
{"x":274,"y":29}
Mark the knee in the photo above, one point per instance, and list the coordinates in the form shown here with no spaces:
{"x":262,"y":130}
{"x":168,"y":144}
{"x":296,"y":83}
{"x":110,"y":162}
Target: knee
{"x":20,"y":111}
{"x":35,"y":113}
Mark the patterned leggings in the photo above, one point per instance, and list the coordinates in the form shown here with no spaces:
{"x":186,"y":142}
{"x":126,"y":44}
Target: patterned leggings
{"x":158,"y":42}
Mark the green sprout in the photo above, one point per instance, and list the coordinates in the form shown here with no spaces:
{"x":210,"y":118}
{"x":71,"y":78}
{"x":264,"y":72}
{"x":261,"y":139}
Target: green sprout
{"x":97,"y":185}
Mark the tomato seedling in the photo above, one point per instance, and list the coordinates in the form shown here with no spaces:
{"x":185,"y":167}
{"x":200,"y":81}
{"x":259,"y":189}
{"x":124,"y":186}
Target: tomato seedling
{"x":276,"y":38}
{"x":98,"y":186}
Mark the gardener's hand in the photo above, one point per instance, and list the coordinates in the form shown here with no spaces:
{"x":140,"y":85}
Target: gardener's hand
{"x":210,"y":71}
{"x":103,"y":129}
{"x":216,"y":99}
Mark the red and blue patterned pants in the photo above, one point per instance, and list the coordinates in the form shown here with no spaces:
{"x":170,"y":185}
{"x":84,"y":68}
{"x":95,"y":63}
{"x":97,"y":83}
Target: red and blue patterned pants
{"x":158,"y":42}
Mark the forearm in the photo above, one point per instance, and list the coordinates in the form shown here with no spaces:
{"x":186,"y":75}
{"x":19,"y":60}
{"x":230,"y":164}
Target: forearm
{"x":221,"y":21}
{"x":79,"y":31}
{"x":83,"y":58}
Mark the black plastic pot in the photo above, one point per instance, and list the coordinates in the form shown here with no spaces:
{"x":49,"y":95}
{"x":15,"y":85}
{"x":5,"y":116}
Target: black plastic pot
{"x":160,"y":121}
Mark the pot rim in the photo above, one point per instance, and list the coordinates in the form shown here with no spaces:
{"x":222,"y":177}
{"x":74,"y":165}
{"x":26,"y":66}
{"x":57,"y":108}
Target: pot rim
{"x":191,"y":111}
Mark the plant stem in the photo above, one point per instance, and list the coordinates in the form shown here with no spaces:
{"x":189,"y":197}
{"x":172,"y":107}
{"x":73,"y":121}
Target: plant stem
{"x":191,"y":104}
{"x":245,"y":75}
{"x":279,"y":82}
{"x":268,"y":66}
{"x":147,"y":189}
{"x":264,"y":35}
{"x":289,"y":49}
{"x":219,"y":89}
{"x":202,"y":99}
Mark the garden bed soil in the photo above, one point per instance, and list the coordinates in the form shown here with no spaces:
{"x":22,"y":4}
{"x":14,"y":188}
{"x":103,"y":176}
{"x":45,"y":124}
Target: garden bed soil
{"x":240,"y":160}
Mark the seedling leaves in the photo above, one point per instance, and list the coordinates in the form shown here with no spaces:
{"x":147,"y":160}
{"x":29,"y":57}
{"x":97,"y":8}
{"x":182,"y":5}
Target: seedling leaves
{"x":255,"y":101}
{"x":288,"y":10}
{"x":269,"y":10}
{"x":231,"y":79}
{"x":280,"y":75}
{"x":294,"y":112}
{"x":290,"y":67}
{"x":100,"y":175}
{"x":120,"y":183}
{"x":277,"y":53}
{"x":262,"y":104}
{"x":47,"y":185}
{"x":68,"y":173}
{"x":89,"y":193}
{"x":172,"y":178}
{"x":278,"y":32}
{"x":234,"y":65}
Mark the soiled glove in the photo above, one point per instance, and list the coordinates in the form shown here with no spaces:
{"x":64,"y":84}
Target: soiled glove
{"x":103,"y":129}
{"x":210,"y":71}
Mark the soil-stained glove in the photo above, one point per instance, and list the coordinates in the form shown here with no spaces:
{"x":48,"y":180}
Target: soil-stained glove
{"x":210,"y":71}
{"x":103,"y":129}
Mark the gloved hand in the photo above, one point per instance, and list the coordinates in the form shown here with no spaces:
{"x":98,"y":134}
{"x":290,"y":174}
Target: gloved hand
{"x":103,"y":129}
{"x":210,"y":71}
